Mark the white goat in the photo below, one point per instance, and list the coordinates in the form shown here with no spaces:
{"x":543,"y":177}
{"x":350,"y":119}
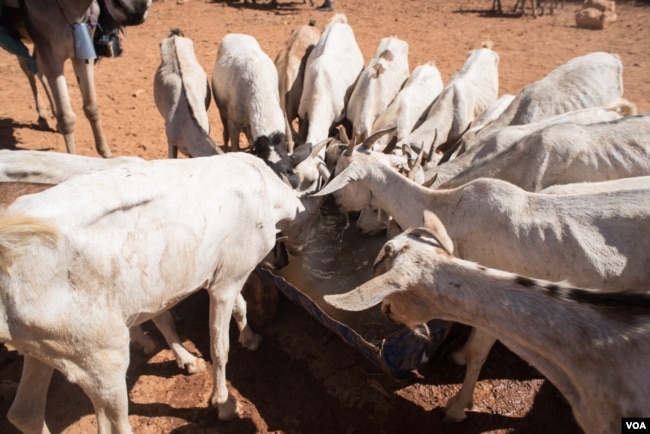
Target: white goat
{"x":378,"y":85}
{"x":633,"y":183}
{"x":290,"y":63}
{"x":330,"y":75}
{"x":10,"y":191}
{"x":568,"y":152}
{"x":467,"y":94}
{"x":117,"y":247}
{"x":489,"y":146}
{"x":245,"y":88}
{"x":182,"y":95}
{"x":411,"y":103}
{"x":489,"y":115}
{"x":594,"y":347}
{"x":542,"y":158}
{"x":332,"y":69}
{"x":592,"y":240}
{"x":52,"y":167}
{"x":592,"y":80}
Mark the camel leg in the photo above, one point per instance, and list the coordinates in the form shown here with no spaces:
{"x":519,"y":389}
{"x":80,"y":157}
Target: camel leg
{"x":65,"y":117}
{"x":50,"y":59}
{"x":84,"y":71}
{"x":40,"y":108}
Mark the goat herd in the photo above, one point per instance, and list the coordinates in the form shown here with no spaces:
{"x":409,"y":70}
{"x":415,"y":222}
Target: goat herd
{"x":552,"y":184}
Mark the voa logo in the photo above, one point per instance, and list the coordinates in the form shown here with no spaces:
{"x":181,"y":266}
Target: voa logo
{"x":636,"y":425}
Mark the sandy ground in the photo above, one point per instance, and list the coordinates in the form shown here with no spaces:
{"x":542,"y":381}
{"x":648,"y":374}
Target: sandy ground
{"x":303,"y":379}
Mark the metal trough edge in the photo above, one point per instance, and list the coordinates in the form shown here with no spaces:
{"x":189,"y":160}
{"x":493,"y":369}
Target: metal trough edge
{"x":400,"y":352}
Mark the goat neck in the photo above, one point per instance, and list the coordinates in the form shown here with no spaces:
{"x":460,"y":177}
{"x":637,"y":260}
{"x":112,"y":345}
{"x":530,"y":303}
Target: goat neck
{"x":366,"y":181}
{"x":593,"y":330}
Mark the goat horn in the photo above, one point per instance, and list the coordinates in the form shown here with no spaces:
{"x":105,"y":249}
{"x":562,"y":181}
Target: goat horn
{"x":390,"y":147}
{"x":428,"y":233}
{"x":320,"y":145}
{"x":376,"y":136}
{"x":429,"y":157}
{"x":343,"y":135}
{"x":350,"y":148}
{"x":418,"y":163}
{"x":431,"y":151}
{"x":434,"y":228}
{"x":449,"y":152}
{"x":430,"y":182}
{"x":449,"y":147}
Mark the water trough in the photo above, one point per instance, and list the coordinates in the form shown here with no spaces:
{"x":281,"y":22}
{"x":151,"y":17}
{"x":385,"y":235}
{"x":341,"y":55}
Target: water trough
{"x":336,"y":259}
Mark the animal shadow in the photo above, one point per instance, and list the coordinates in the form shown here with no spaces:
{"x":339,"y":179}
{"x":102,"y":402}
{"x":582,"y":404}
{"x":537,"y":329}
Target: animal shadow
{"x":265,"y":5}
{"x":8,"y":127}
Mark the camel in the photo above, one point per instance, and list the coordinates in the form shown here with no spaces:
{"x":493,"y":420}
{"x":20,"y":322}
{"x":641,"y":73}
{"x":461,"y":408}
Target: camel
{"x":49,"y":25}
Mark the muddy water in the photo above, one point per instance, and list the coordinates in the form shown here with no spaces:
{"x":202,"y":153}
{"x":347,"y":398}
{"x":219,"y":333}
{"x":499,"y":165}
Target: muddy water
{"x":336,"y":259}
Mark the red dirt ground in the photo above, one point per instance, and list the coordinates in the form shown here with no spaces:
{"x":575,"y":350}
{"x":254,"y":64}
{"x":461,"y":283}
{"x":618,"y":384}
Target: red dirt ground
{"x":304,"y":379}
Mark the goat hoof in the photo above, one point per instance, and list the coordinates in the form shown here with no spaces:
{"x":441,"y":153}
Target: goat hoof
{"x":196,"y":366}
{"x":229,"y":410}
{"x":252,"y":342}
{"x":449,"y":418}
{"x":453,"y":414}
{"x":145,"y":344}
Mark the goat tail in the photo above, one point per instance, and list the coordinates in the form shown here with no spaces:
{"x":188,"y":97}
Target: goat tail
{"x":338,"y":18}
{"x":16,"y":231}
{"x":487,"y":44}
{"x":623,"y":107}
{"x":175,"y":32}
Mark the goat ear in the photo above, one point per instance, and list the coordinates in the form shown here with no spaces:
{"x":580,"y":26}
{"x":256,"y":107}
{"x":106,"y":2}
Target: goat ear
{"x":300,"y":154}
{"x":365,"y":296}
{"x":337,"y":183}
